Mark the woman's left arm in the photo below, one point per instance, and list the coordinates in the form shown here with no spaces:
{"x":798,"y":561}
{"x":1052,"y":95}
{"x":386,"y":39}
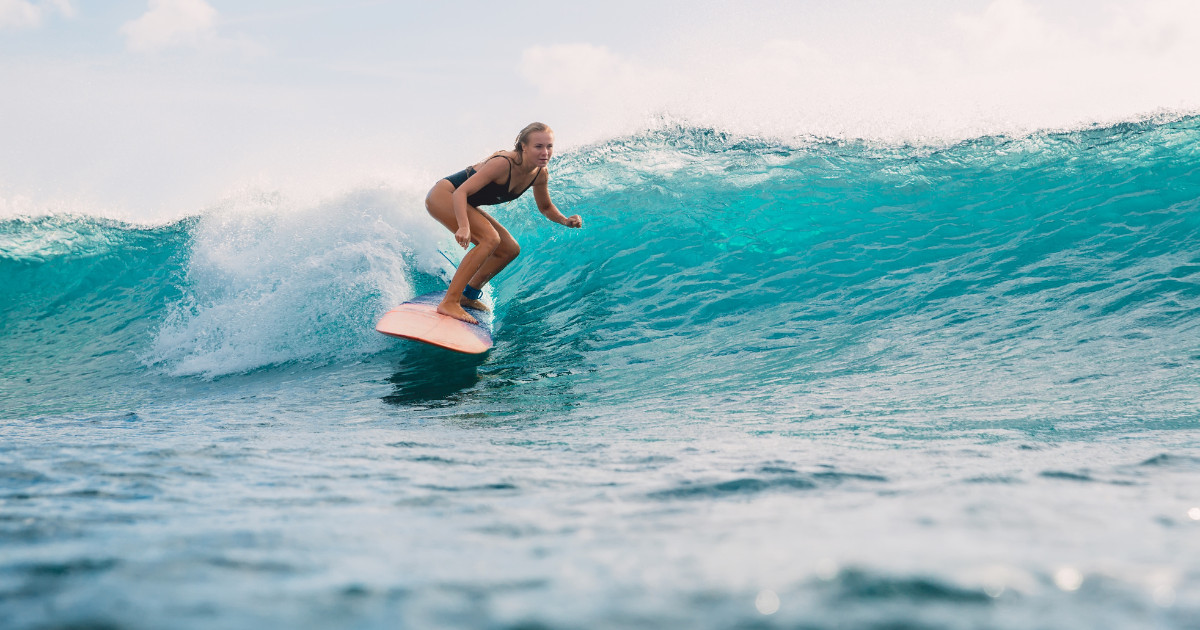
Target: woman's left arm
{"x":541,"y":194}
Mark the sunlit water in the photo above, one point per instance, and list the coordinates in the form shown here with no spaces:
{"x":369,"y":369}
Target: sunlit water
{"x":823,"y":386}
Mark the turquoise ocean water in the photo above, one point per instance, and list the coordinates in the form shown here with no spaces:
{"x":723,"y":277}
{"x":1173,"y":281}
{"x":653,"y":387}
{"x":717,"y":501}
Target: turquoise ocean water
{"x":818,"y":384}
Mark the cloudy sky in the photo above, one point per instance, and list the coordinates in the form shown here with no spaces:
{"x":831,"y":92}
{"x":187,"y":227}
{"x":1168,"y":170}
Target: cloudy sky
{"x":163,"y":106}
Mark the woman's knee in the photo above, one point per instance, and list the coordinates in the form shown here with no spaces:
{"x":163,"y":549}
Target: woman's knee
{"x":487,"y":240}
{"x":508,"y":249}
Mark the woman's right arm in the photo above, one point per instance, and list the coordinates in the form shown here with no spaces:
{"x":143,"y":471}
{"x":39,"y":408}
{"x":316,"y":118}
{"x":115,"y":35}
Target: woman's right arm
{"x":490,"y":171}
{"x":459,"y":201}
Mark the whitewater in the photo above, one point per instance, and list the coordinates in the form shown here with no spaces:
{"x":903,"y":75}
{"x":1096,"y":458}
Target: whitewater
{"x":815,"y":383}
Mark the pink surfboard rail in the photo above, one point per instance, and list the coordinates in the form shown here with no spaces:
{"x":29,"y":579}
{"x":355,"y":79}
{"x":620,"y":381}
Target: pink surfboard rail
{"x":418,"y":319}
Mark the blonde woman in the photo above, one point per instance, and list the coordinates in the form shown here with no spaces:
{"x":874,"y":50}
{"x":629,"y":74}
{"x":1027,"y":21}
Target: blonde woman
{"x":455,"y":202}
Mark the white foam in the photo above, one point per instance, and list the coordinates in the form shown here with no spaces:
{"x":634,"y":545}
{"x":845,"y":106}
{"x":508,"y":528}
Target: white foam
{"x":273,"y":281}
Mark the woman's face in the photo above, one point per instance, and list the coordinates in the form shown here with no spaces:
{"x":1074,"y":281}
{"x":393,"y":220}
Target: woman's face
{"x":539,"y":146}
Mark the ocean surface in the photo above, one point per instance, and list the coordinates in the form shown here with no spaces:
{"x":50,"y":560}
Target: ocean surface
{"x":813,"y":384}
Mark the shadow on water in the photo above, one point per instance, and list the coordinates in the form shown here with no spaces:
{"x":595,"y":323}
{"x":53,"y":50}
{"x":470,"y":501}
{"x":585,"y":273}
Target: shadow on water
{"x":429,"y":375}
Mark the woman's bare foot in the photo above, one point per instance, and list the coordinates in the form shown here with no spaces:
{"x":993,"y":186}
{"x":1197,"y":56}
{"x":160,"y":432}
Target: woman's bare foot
{"x":454,"y":310}
{"x":475,"y":304}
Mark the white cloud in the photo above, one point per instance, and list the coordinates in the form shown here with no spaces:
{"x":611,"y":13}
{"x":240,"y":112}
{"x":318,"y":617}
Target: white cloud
{"x":1161,"y":27}
{"x":577,"y":68}
{"x":1009,"y":27}
{"x":63,"y":6}
{"x":602,"y":85}
{"x":171,"y":23}
{"x":18,"y":13}
{"x":27,"y":14}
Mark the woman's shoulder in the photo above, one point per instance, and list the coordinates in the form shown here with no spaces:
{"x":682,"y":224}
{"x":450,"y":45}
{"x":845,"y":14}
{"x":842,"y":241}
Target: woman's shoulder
{"x":509,"y":157}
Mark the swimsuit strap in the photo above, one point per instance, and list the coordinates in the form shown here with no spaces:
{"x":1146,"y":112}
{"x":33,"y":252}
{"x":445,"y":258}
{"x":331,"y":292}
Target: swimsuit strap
{"x":471,"y":169}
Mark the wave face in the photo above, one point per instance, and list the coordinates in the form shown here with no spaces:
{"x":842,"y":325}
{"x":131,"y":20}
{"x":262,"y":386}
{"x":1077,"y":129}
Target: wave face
{"x":1052,"y":274}
{"x":1049,"y":275}
{"x":78,"y":297}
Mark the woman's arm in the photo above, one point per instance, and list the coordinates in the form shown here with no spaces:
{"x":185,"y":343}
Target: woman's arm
{"x":541,"y":194}
{"x":490,"y":171}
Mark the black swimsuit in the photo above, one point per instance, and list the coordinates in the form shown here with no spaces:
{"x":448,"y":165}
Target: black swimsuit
{"x":492,"y":193}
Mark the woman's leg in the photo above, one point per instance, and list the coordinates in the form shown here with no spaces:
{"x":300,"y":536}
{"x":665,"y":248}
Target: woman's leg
{"x":506,"y":252}
{"x":483,"y":234}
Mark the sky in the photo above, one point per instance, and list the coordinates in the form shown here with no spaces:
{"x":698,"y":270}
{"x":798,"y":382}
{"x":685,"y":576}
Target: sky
{"x":163,"y":107}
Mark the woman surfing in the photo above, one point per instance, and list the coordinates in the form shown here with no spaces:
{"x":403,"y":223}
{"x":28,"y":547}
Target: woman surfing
{"x":455,"y":200}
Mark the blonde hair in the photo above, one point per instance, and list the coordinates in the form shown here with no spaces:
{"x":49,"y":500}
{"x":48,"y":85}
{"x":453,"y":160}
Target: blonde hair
{"x":523,"y":138}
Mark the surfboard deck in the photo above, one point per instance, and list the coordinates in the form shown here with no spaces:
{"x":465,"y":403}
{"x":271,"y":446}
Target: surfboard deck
{"x":418,"y":319}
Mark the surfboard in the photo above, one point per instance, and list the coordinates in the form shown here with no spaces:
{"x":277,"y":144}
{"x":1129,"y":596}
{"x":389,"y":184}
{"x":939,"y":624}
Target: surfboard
{"x":418,"y":319}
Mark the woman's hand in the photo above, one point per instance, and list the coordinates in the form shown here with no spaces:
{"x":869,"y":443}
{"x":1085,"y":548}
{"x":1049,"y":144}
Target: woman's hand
{"x":463,"y":236}
{"x":574,"y":221}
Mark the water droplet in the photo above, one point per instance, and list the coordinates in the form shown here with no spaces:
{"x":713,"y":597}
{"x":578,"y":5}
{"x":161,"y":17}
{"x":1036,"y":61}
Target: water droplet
{"x":767,"y":602}
{"x":1068,"y":579}
{"x":826,"y":569}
